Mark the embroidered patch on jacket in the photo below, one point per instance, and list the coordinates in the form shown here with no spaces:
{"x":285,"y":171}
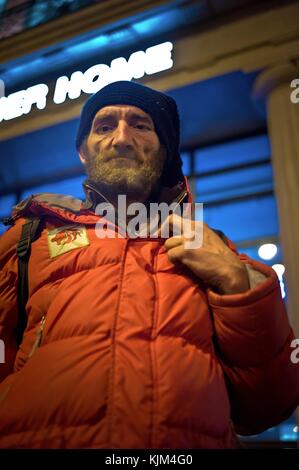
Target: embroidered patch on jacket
{"x":67,"y":238}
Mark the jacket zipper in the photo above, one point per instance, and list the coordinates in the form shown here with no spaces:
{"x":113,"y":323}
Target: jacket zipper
{"x":38,"y":338}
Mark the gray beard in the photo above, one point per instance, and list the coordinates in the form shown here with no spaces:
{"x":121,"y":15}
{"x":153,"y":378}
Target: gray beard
{"x":136,"y":181}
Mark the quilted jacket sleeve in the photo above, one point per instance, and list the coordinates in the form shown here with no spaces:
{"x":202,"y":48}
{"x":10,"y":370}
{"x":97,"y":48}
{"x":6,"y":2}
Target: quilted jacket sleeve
{"x":253,"y":340}
{"x":8,"y":296}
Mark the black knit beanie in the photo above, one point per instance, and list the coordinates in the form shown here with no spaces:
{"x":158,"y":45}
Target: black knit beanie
{"x":162,"y":109}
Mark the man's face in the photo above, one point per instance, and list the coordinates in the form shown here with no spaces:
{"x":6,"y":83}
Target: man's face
{"x":123,"y":150}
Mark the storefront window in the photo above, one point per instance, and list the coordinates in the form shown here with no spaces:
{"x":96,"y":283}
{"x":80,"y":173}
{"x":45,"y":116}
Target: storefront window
{"x":69,"y":187}
{"x":234,"y":153}
{"x":186,"y":158}
{"x":2,"y":5}
{"x":6,"y":203}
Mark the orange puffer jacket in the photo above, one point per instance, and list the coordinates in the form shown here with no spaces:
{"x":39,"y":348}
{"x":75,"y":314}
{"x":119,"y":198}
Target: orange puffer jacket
{"x":125,"y":350}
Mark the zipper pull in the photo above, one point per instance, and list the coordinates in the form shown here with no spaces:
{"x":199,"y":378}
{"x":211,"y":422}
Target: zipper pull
{"x":38,"y":338}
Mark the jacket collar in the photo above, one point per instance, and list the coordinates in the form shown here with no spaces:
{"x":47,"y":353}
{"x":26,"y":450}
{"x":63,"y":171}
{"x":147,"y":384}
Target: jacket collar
{"x":178,"y":193}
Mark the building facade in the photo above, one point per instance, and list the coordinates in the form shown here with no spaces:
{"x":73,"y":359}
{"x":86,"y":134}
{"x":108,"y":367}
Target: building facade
{"x":232,"y":67}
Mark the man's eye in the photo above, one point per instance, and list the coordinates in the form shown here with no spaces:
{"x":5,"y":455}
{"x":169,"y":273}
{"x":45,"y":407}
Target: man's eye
{"x":142,"y":127}
{"x":104,"y":128}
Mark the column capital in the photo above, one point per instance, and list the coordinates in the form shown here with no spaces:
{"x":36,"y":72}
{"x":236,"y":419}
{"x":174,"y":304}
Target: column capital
{"x":273,"y":77}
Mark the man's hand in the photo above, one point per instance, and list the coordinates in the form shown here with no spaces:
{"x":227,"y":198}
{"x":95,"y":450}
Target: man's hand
{"x":214,"y":262}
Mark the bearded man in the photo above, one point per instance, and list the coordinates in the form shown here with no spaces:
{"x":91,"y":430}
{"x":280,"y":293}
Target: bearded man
{"x":135,"y":342}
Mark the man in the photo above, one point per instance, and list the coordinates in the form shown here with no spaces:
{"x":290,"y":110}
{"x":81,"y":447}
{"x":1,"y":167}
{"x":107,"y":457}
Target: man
{"x":136,"y":342}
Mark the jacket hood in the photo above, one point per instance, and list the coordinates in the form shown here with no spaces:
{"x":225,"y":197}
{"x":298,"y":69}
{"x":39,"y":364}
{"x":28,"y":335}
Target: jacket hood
{"x":37,"y":203}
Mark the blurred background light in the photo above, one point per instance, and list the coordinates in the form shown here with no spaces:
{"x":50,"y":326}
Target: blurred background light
{"x":280,"y":269}
{"x":287,"y":432}
{"x":267,"y":251}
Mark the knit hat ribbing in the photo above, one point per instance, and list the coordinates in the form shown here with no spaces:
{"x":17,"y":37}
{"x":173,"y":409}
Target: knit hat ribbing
{"x":162,"y":109}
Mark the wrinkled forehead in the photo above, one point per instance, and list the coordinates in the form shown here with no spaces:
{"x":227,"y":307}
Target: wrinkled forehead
{"x":122,"y":111}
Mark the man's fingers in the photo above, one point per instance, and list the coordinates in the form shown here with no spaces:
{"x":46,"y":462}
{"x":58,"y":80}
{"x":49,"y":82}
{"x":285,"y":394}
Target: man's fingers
{"x":176,"y":253}
{"x":175,"y":225}
{"x":173,"y":242}
{"x":172,"y":225}
{"x":181,"y":226}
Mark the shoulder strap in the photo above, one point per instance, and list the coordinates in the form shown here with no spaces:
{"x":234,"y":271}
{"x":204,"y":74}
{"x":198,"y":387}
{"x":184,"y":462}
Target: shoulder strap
{"x":28,"y":234}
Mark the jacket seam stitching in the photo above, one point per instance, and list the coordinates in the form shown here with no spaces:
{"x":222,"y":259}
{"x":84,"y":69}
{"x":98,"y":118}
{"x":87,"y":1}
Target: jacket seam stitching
{"x":244,"y":302}
{"x":110,"y":394}
{"x":52,"y":280}
{"x":154,"y":358}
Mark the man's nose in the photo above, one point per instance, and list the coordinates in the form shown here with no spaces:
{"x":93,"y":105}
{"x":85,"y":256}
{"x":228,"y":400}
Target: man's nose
{"x":122,"y":136}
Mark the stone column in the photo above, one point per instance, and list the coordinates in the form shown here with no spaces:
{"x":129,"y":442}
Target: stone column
{"x":273,"y":87}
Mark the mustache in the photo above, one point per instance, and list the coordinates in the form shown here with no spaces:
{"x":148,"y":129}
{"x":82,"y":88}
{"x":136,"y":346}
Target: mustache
{"x":130,"y":155}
